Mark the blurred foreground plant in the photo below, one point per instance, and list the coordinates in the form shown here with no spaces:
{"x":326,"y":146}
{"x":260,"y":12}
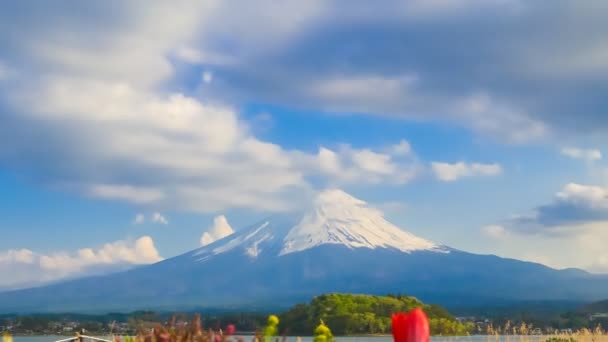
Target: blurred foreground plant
{"x":411,"y":327}
{"x":322,"y":333}
{"x":272,"y":328}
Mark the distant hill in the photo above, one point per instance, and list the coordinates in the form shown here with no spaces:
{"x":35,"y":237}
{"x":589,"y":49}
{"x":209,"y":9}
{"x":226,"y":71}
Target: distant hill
{"x":351,"y":314}
{"x":519,"y":310}
{"x":595,"y":307}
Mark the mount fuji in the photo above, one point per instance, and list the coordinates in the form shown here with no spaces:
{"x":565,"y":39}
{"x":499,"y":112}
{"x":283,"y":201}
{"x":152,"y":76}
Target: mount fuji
{"x":339,"y":244}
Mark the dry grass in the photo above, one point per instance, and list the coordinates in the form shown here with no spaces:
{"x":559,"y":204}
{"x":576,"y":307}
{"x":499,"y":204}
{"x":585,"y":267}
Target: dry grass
{"x":523,"y":333}
{"x":174,"y":331}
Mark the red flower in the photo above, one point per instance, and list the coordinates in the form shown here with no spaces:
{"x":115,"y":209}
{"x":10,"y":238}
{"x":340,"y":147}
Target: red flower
{"x":411,"y":327}
{"x":230,"y":329}
{"x":164,"y":337}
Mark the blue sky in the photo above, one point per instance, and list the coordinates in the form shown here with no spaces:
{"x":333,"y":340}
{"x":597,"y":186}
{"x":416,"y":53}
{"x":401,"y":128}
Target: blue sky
{"x":128,"y":130}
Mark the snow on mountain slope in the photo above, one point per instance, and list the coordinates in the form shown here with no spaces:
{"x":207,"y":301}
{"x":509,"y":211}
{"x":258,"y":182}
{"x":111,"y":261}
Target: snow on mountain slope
{"x":338,"y":218}
{"x":334,"y":218}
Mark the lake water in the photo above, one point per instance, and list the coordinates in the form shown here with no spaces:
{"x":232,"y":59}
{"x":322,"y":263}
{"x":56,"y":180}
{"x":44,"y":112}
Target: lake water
{"x":476,"y":338}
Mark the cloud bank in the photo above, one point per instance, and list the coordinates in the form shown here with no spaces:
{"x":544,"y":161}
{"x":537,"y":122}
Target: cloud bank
{"x":576,"y":219}
{"x":159,"y":125}
{"x":25,"y":268}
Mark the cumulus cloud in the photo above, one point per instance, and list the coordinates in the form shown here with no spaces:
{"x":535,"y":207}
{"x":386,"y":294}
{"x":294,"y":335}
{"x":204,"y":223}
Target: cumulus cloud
{"x":28,"y":268}
{"x":402,"y":148}
{"x":105,"y":111}
{"x":219,"y":230}
{"x":451,"y":172}
{"x":100,"y":109}
{"x":159,"y":219}
{"x":594,"y":197}
{"x":396,"y":164}
{"x":584,"y":154}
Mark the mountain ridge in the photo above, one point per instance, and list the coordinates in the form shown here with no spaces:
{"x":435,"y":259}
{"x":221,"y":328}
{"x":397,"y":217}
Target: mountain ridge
{"x":249,"y":268}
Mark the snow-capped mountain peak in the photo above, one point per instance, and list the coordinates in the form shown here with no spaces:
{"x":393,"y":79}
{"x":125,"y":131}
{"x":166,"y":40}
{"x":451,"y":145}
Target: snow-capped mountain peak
{"x":334,"y":218}
{"x":339,"y":218}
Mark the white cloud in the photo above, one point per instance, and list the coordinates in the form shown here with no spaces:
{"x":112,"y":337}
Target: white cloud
{"x":348,"y":78}
{"x":494,"y":118}
{"x":308,"y":55}
{"x":139,"y":218}
{"x":118,"y":117}
{"x":27,"y":268}
{"x":482,"y":112}
{"x":159,"y":218}
{"x":584,"y":154}
{"x":207,"y":77}
{"x":329,"y":161}
{"x":174,"y":151}
{"x":24,"y":256}
{"x":575,"y":210}
{"x":219,"y":230}
{"x":156,"y":218}
{"x":451,"y":172}
{"x":100,"y":109}
{"x":593,"y":197}
{"x":494,"y":231}
{"x":403,"y":148}
{"x":396,"y":165}
{"x":572,"y":210}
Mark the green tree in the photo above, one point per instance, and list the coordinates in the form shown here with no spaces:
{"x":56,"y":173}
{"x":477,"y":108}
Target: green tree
{"x":349,"y":314}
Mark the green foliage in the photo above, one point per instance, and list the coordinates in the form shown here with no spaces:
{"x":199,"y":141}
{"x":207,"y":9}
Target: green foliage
{"x":447,"y":327}
{"x":349,"y":314}
{"x":322,"y":333}
{"x":271,"y":330}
